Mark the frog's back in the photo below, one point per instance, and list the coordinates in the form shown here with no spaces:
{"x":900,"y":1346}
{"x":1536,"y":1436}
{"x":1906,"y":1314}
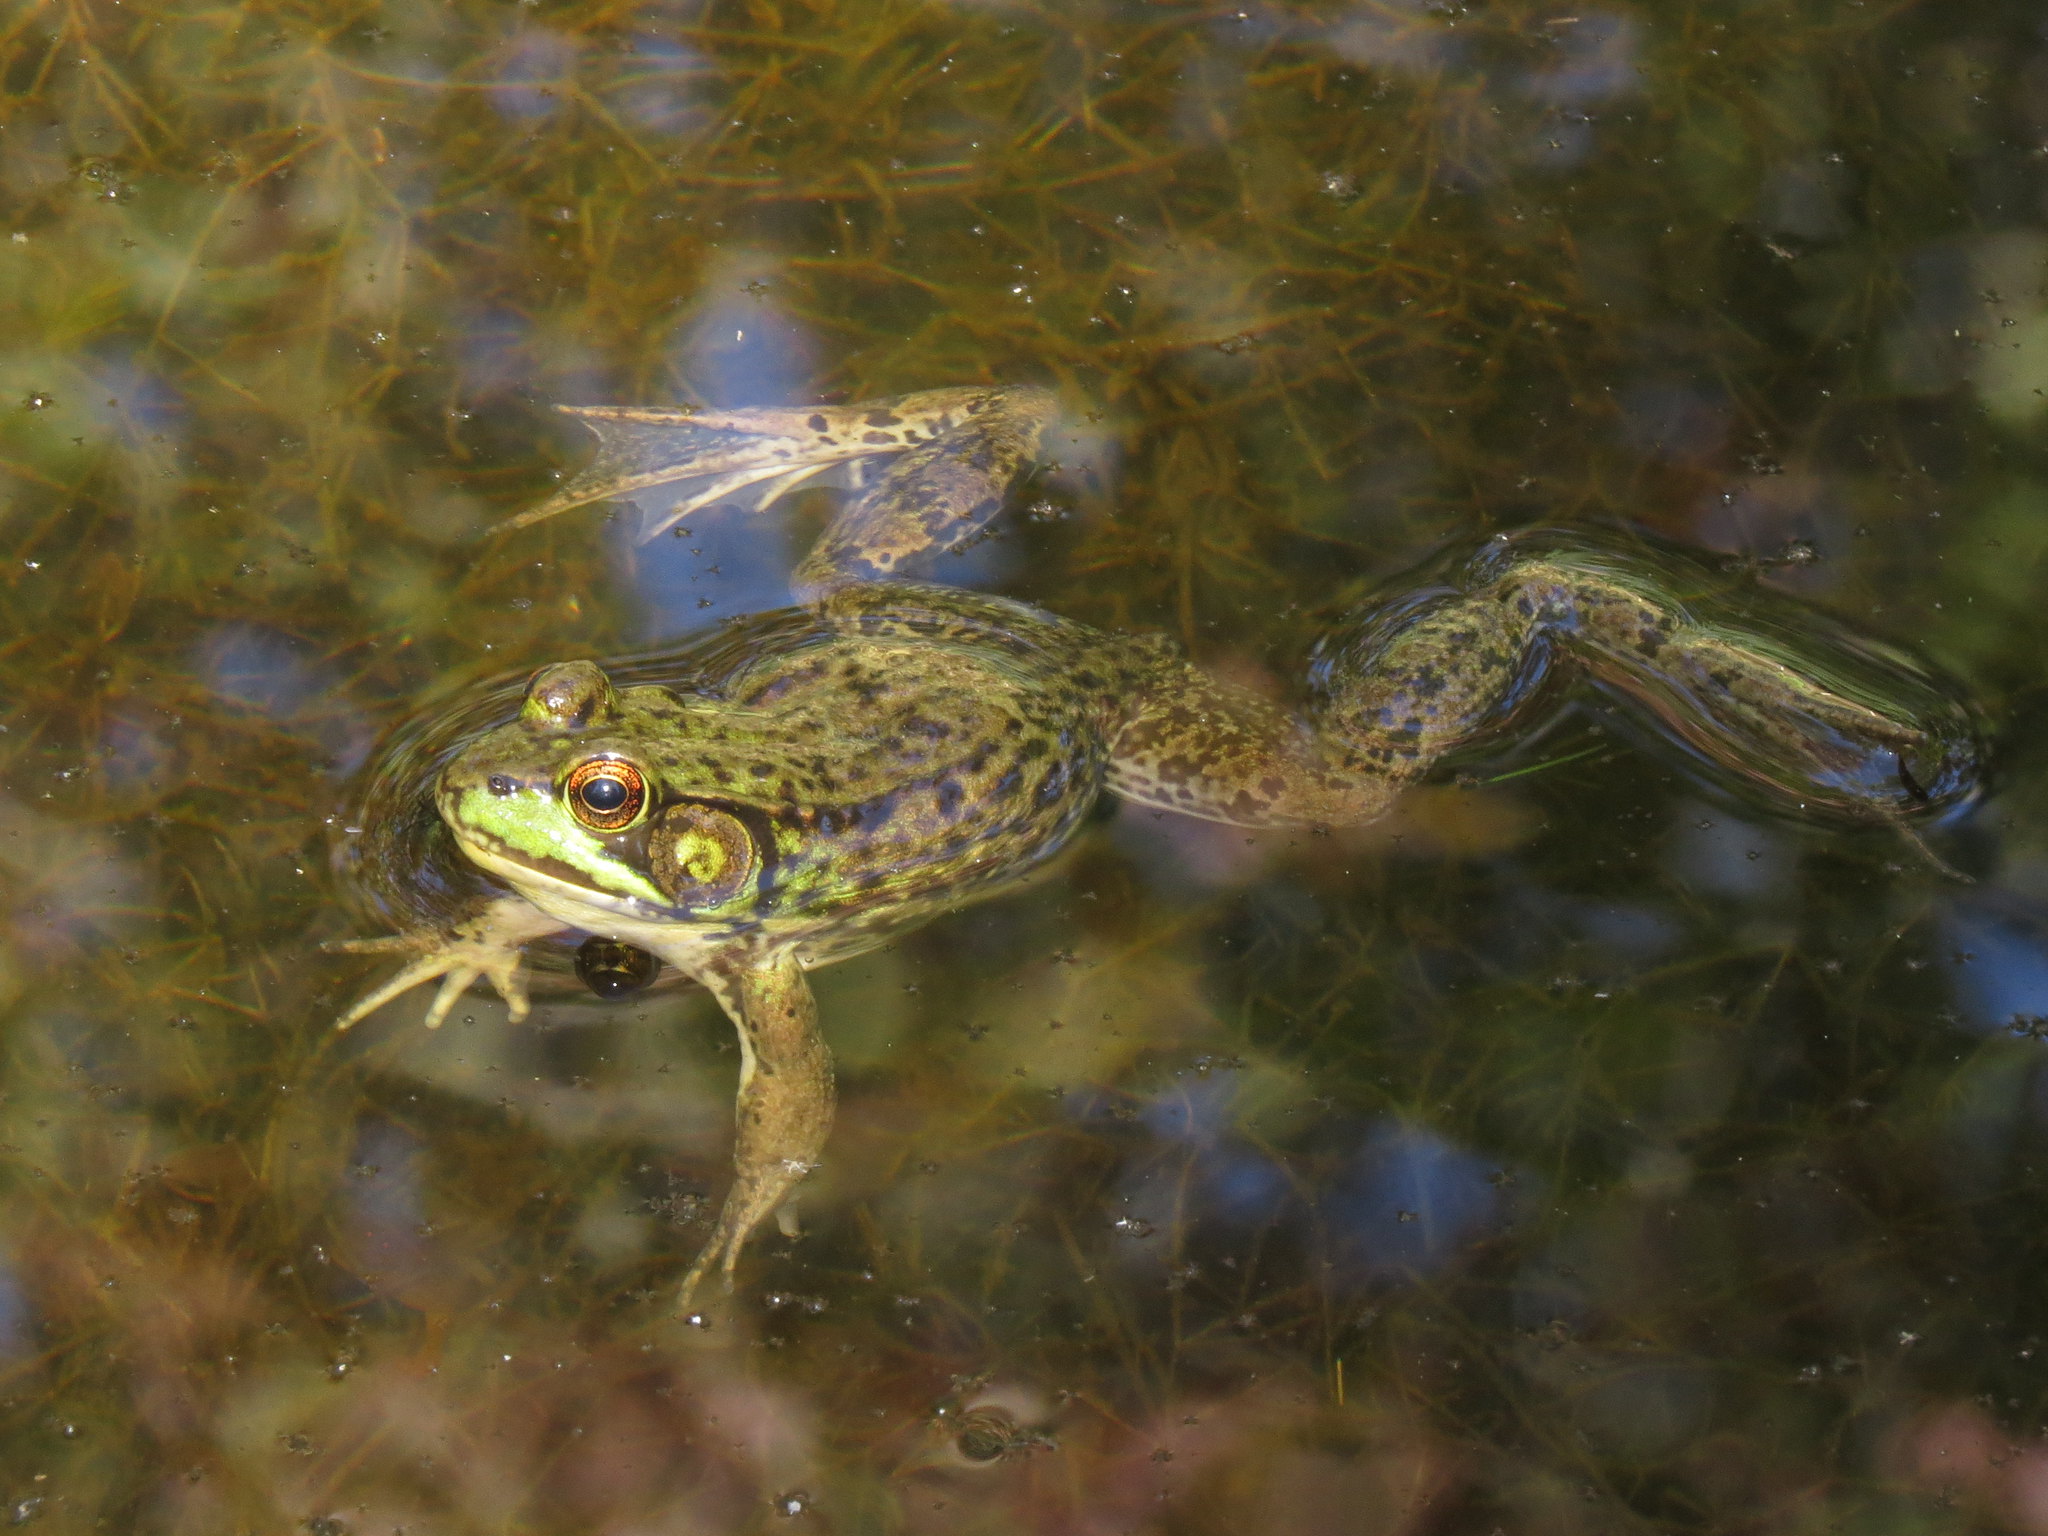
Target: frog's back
{"x":926,"y":751}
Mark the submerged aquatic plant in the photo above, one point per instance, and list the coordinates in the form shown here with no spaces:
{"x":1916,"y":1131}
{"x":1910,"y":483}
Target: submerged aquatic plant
{"x":1574,"y":1152}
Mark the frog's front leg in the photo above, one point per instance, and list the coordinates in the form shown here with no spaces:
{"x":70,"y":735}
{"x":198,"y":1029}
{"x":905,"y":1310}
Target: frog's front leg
{"x":488,"y":944}
{"x":785,"y":1094}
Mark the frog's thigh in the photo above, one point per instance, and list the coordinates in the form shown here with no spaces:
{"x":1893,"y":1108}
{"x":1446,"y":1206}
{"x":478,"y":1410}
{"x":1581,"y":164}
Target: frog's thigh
{"x":935,"y":495}
{"x":1205,"y":748}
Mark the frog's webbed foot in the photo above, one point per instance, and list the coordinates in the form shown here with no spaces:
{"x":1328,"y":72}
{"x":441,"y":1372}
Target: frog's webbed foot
{"x":713,"y":455}
{"x":785,"y":1100}
{"x":931,"y":468}
{"x":756,"y":456}
{"x":486,"y":946}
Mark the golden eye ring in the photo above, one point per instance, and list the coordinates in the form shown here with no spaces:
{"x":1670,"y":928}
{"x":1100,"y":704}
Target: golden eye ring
{"x":605,"y":794}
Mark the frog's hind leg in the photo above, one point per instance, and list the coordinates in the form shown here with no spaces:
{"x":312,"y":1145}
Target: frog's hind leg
{"x":709,"y":455}
{"x":1807,"y":710}
{"x":936,"y":495}
{"x":755,"y":456}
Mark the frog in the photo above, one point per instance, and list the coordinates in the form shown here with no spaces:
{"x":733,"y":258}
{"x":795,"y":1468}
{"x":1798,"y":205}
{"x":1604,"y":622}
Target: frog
{"x":899,"y":748}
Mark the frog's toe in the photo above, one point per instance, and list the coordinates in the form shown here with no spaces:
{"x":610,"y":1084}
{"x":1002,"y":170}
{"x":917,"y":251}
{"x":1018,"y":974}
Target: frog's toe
{"x":384,"y":944}
{"x":721,"y":1253}
{"x":459,"y":964}
{"x":488,"y":945}
{"x":426,"y":968}
{"x":453,"y":985}
{"x":779,"y":482}
{"x":502,"y":968}
{"x":510,"y":981}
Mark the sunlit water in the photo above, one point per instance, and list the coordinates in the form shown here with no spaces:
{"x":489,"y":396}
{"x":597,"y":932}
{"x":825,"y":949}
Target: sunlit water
{"x":1582,"y":1149}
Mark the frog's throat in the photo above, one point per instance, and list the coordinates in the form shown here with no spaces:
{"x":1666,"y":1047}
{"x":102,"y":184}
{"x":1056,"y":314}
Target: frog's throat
{"x":577,"y":905}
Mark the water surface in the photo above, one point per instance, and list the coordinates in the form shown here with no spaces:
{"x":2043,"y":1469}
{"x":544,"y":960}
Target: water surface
{"x":1585,"y":1149}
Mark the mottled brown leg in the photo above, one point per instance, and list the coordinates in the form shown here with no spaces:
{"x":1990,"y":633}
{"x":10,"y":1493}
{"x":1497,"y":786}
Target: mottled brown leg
{"x":1208,"y":749}
{"x":1800,"y":705}
{"x":956,"y":450}
{"x":1424,"y":675}
{"x":934,"y":496}
{"x":785,"y":1096}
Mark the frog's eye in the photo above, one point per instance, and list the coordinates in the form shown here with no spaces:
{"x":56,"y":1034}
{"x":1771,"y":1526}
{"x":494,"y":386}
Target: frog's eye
{"x":605,"y":794}
{"x":702,"y":857}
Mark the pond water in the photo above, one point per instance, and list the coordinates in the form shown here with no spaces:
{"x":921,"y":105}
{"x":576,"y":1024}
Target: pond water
{"x":1585,"y":1147}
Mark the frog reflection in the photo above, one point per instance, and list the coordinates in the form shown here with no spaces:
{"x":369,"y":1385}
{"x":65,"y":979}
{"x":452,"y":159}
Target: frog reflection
{"x":613,"y":970}
{"x":908,"y":747}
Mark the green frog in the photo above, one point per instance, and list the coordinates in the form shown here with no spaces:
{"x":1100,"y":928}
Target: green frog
{"x":891,"y":749}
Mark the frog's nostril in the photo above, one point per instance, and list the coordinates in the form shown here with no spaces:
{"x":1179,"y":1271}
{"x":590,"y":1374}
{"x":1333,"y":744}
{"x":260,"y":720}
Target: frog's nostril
{"x":501,"y":785}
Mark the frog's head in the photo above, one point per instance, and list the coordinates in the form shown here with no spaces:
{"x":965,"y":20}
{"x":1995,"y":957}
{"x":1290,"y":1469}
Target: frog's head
{"x":574,"y":800}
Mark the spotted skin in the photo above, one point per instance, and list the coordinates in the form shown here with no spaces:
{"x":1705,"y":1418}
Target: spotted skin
{"x":955,"y":452}
{"x":908,"y":747}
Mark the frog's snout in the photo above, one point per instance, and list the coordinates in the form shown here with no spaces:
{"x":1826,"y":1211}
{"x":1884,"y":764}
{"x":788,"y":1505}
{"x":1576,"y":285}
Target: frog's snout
{"x":464,"y":780}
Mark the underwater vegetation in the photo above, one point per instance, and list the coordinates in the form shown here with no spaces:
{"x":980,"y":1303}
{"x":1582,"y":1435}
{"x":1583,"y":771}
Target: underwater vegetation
{"x":1585,"y":1148}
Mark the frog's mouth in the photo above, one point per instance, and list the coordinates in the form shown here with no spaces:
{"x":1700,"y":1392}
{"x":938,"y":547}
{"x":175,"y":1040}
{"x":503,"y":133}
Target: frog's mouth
{"x":560,"y":888}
